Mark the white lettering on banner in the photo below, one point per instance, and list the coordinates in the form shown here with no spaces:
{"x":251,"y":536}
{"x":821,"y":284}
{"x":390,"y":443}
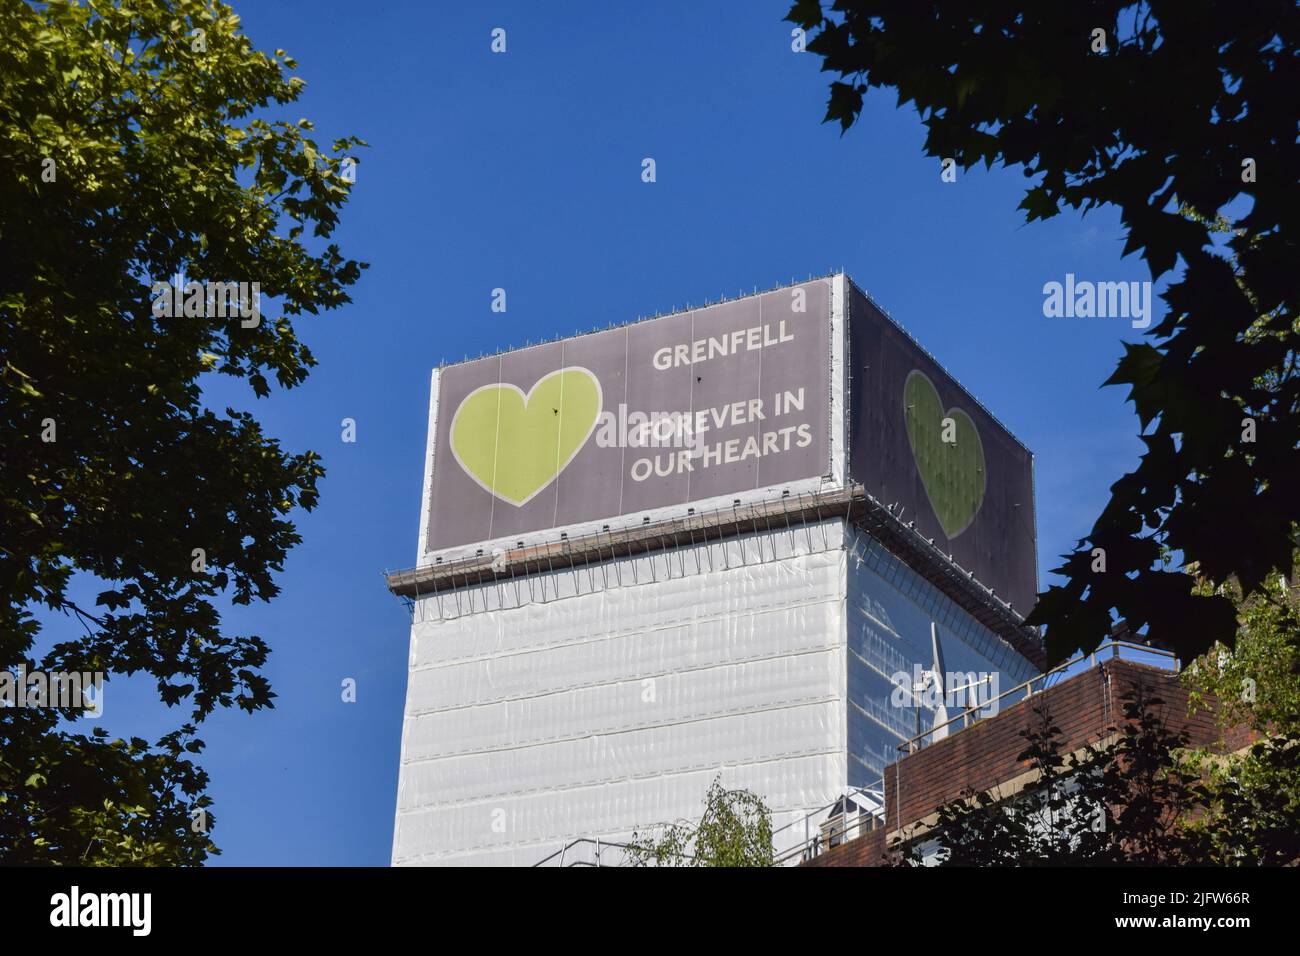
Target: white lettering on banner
{"x":706,"y":454}
{"x":723,"y":452}
{"x":704,"y":350}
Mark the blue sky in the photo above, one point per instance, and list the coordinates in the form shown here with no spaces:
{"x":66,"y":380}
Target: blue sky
{"x":523,"y":171}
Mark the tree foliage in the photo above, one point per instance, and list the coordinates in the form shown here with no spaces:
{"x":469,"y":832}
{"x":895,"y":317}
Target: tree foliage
{"x":138,"y":142}
{"x":87,"y":800}
{"x":1256,"y":682}
{"x":1252,"y":799}
{"x":734,"y":830}
{"x":1160,"y":121}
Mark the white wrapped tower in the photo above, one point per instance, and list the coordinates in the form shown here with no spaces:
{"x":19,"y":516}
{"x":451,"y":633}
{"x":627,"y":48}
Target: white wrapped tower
{"x":738,"y":541}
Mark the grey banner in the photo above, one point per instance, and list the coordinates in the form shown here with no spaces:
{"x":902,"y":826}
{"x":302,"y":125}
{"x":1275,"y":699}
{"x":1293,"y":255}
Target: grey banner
{"x":919,"y":440}
{"x":715,"y":401}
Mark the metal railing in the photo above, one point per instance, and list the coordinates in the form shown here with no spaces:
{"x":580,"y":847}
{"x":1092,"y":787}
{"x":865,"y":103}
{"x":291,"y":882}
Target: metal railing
{"x":569,"y":855}
{"x":819,"y":834}
{"x":818,"y":837}
{"x":970,"y":715}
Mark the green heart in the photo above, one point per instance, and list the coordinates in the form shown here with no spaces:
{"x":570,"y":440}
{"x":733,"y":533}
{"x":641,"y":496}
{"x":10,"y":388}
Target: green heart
{"x":513,"y":445}
{"x":952,"y":471}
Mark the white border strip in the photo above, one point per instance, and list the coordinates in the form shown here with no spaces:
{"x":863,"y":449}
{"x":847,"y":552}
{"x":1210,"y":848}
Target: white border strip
{"x":426,"y":501}
{"x":839,"y":386}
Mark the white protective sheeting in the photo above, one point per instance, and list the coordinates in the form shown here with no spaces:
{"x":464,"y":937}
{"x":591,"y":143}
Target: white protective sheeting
{"x":598,"y":701}
{"x":593,"y":702}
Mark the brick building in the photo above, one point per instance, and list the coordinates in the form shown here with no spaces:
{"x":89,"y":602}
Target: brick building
{"x":984,"y":756}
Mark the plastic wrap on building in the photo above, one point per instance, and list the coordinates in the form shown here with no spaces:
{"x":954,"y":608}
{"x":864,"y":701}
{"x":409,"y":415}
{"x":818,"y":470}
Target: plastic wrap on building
{"x":608,"y":700}
{"x":596,"y":701}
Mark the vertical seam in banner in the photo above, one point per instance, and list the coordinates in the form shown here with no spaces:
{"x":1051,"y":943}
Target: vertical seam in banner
{"x":690,"y":408}
{"x":496,"y":451}
{"x":559,"y":440}
{"x":692,"y":625}
{"x":758,"y":465}
{"x":622,"y":427}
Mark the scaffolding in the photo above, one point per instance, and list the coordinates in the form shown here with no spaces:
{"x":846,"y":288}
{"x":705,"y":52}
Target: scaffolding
{"x":793,"y":514}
